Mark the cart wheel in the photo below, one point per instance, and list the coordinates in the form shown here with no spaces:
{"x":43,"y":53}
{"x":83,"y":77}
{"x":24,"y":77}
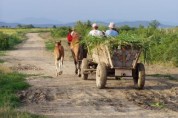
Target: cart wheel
{"x":139,"y":76}
{"x":84,"y":66}
{"x":101,"y":74}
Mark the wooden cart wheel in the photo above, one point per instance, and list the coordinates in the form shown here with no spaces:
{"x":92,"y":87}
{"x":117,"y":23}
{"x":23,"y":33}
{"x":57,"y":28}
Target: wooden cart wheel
{"x":101,"y":75}
{"x":84,"y":66}
{"x":139,"y":76}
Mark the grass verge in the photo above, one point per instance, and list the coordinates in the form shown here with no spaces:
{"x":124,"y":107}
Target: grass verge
{"x":10,"y":84}
{"x":11,"y":113}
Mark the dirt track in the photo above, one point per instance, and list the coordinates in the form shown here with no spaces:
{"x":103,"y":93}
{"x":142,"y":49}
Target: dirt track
{"x":69,"y":96}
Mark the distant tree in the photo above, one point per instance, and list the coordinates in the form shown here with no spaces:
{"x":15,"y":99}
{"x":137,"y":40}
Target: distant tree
{"x":30,"y":26}
{"x":154,"y":24}
{"x":54,"y":26}
{"x":141,"y":27}
{"x":25,"y":26}
{"x":82,"y":27}
{"x":19,"y":25}
{"x":88,"y":23}
{"x":125,"y":27}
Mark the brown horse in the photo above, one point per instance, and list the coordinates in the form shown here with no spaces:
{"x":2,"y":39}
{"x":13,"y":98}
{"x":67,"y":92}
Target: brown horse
{"x":78,"y":52}
{"x":59,"y":57}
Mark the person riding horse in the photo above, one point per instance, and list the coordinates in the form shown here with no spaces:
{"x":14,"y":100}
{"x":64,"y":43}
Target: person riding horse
{"x":69,"y":36}
{"x":78,"y":51}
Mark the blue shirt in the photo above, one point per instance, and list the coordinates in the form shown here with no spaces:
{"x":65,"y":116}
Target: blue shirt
{"x":111,"y":33}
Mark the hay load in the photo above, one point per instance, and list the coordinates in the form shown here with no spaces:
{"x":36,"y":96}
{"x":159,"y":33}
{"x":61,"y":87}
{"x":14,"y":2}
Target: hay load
{"x":120,"y":52}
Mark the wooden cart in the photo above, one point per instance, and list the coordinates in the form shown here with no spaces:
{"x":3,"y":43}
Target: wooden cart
{"x":119,"y":62}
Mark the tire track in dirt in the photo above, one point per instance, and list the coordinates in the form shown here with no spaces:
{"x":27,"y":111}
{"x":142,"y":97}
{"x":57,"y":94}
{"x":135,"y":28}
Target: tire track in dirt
{"x":69,"y":96}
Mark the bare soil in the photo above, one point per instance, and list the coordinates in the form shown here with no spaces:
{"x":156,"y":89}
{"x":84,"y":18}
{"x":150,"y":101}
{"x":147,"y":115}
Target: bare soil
{"x":69,"y":96}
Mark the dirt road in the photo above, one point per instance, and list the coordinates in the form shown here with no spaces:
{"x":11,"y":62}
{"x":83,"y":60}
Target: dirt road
{"x":68,"y":96}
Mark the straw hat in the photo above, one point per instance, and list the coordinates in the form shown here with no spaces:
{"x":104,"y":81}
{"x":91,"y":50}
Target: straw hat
{"x":111,"y":25}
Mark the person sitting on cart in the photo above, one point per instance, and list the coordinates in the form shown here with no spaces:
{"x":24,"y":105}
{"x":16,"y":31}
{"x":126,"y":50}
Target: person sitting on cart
{"x":95,"y":31}
{"x":112,"y":30}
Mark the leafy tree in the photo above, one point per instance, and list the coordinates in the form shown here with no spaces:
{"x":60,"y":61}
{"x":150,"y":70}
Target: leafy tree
{"x":25,"y":26}
{"x":141,"y":27}
{"x":59,"y":32}
{"x":83,"y":28}
{"x":29,"y":26}
{"x":154,"y":24}
{"x":19,"y":25}
{"x":54,"y":26}
{"x":88,"y":23}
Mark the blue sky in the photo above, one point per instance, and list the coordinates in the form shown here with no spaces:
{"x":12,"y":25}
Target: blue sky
{"x":64,"y":11}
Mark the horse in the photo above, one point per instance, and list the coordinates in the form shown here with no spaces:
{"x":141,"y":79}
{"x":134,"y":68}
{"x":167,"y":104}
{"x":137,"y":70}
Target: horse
{"x":59,"y":57}
{"x":78,"y":52}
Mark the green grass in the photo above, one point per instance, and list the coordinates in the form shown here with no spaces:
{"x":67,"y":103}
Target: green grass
{"x":10,"y":37}
{"x":1,"y":61}
{"x":15,"y":39}
{"x":157,"y":105}
{"x":50,"y":42}
{"x":2,"y":53}
{"x":10,"y":83}
{"x":49,"y":45}
{"x":11,"y":31}
{"x":9,"y":41}
{"x":11,"y":113}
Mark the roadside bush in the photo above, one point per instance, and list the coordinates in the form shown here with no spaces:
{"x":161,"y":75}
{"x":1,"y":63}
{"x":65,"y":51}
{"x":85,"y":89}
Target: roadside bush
{"x":59,"y":32}
{"x":9,"y":41}
{"x":14,"y":40}
{"x":83,"y":28}
{"x":4,"y":41}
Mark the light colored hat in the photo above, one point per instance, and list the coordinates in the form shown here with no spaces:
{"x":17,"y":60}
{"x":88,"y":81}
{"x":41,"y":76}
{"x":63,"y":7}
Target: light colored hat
{"x":111,"y":25}
{"x":94,"y":25}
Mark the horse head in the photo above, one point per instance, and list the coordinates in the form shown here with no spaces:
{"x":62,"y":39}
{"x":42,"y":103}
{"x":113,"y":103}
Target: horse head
{"x":75,"y":36}
{"x":57,"y":43}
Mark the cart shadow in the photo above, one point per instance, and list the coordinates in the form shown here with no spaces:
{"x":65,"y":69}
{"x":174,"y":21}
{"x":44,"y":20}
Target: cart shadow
{"x":157,"y":86}
{"x":164,"y":82}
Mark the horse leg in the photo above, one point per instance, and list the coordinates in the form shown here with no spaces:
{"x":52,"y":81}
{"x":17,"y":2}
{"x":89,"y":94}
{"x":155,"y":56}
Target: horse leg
{"x":61,"y":65}
{"x":80,"y":57}
{"x":75,"y":62}
{"x":76,"y":68}
{"x":57,"y":67}
{"x":79,"y":68}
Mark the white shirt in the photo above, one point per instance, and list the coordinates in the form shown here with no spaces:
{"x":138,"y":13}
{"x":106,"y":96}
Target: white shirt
{"x":95,"y":33}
